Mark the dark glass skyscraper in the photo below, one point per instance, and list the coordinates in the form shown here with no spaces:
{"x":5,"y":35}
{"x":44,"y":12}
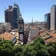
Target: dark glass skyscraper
{"x":47,"y":21}
{"x":16,"y":14}
{"x":12,"y":15}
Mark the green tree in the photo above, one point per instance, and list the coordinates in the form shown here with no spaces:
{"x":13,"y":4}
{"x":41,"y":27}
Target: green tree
{"x":17,"y":50}
{"x":6,"y":48}
{"x":37,"y":48}
{"x":52,"y":48}
{"x":39,"y":39}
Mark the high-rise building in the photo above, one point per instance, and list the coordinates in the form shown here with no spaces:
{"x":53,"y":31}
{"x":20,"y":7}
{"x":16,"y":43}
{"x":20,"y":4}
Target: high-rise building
{"x":47,"y":21}
{"x":53,"y":18}
{"x":9,"y":15}
{"x":12,"y":15}
{"x":17,"y":14}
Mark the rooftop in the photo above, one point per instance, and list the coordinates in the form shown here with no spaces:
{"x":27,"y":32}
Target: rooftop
{"x":48,"y":36}
{"x":6,"y":36}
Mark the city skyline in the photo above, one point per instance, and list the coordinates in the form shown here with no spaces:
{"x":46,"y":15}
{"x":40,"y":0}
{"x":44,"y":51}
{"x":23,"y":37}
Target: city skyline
{"x":29,"y":9}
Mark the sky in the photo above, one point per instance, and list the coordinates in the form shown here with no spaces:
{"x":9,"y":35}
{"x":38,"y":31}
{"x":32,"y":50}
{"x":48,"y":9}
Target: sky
{"x":30,"y":9}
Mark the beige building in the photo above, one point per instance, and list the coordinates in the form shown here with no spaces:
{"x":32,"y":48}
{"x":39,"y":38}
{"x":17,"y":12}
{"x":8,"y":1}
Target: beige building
{"x":8,"y":36}
{"x":53,"y":18}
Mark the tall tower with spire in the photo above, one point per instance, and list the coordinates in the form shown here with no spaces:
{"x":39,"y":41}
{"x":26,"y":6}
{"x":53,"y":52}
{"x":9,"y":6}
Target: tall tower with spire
{"x":32,"y":20}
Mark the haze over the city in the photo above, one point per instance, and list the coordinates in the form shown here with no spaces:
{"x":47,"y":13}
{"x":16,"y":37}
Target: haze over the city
{"x":29,"y":9}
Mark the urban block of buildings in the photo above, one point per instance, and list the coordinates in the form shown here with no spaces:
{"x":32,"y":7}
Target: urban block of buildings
{"x":16,"y":31}
{"x":50,"y":19}
{"x":12,"y":14}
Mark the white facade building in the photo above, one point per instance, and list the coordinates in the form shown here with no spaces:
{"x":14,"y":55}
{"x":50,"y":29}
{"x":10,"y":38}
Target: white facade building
{"x":53,"y":18}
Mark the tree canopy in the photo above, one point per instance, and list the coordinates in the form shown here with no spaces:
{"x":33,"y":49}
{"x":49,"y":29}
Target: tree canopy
{"x":37,"y":48}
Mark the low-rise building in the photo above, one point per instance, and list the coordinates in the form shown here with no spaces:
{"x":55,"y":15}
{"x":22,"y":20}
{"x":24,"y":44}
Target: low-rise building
{"x":5,"y":27}
{"x":8,"y":36}
{"x":1,"y":29}
{"x":48,"y":36}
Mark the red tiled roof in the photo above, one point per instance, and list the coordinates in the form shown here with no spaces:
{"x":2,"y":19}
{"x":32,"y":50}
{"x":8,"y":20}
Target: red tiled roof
{"x":52,"y":39}
{"x":6,"y":36}
{"x":53,"y":35}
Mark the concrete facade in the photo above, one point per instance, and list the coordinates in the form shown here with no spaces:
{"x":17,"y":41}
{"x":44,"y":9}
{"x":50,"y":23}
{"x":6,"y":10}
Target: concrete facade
{"x":53,"y":18}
